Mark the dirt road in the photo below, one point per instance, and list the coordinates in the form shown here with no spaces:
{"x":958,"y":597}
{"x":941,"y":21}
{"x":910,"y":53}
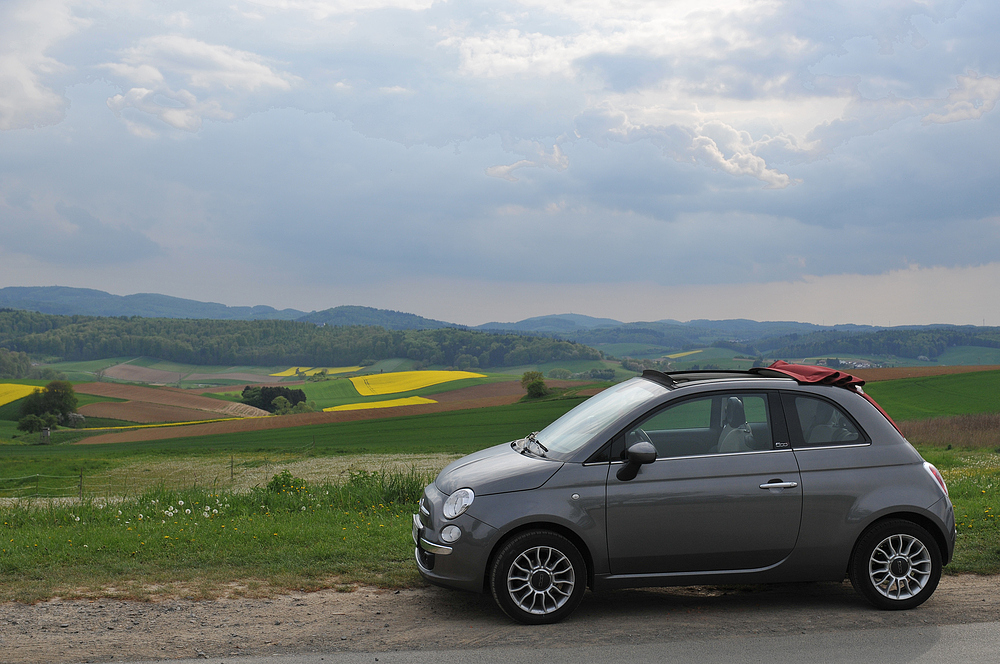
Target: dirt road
{"x":371,"y":620}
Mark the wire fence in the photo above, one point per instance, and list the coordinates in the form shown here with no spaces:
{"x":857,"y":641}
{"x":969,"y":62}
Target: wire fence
{"x":179,"y":474}
{"x":216,"y":473}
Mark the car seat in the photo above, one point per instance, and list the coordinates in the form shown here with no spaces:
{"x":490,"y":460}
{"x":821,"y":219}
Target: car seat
{"x":736,"y":435}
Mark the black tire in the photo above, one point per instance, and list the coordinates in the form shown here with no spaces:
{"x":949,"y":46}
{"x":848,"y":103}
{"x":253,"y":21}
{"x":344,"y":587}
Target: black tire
{"x":896,"y":565}
{"x":538,"y":577}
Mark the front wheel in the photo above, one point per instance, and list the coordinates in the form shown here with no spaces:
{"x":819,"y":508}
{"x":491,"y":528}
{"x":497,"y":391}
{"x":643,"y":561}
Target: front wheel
{"x":896,"y":565}
{"x":538,"y":577}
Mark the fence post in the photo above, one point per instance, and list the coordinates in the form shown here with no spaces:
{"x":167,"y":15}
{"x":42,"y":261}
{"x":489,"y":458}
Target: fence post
{"x":81,"y":486}
{"x":231,"y":469}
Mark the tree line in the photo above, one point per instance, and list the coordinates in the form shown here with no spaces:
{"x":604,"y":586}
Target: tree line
{"x":909,"y":343}
{"x":269,"y":342}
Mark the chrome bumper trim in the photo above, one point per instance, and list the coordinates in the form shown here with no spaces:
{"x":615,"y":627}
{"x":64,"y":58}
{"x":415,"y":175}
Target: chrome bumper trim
{"x":430,"y":547}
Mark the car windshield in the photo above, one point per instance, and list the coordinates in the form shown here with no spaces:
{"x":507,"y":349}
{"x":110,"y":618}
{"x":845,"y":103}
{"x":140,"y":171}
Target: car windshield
{"x":576,"y":428}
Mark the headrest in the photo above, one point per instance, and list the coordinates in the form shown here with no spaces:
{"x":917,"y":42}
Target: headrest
{"x":735,"y":414}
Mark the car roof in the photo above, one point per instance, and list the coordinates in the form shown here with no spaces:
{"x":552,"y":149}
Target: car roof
{"x":802,"y":374}
{"x":673,"y":379}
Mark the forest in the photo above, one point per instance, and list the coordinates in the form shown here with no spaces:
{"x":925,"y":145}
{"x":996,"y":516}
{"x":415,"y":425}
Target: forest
{"x":266,"y":342}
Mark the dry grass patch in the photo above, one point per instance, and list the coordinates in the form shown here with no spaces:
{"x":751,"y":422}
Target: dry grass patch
{"x":240,"y":474}
{"x":980,"y":431}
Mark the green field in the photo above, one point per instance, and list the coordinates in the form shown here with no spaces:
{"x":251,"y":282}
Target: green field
{"x":452,"y":432}
{"x":937,"y":396}
{"x":633,"y":350}
{"x":573,"y":366}
{"x":970,"y":355}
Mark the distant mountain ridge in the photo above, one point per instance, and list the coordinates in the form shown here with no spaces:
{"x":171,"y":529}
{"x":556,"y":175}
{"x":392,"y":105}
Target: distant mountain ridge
{"x":558,"y":324}
{"x":68,"y":301}
{"x":348,"y":315}
{"x":636,"y":339}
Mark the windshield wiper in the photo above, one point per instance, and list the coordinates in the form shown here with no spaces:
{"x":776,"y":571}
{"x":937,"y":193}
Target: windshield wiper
{"x":532,"y":440}
{"x":522,"y":445}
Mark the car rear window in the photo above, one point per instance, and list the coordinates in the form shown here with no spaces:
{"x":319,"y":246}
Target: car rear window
{"x":824,"y":423}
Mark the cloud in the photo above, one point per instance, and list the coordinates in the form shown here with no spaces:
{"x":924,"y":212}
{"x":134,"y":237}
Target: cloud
{"x":28,"y":31}
{"x":973,"y":97}
{"x":714,"y":144}
{"x":691,"y":142}
{"x":321,"y":9}
{"x":49,"y":230}
{"x":227,"y":79}
{"x":554,"y":159}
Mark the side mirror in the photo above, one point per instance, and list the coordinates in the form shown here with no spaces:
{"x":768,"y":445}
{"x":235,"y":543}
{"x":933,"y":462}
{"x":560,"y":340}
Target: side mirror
{"x":638,"y":455}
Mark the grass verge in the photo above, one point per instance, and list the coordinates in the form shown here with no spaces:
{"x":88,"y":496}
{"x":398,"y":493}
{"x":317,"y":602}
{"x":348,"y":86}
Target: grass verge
{"x":285,"y":535}
{"x":290,"y":534}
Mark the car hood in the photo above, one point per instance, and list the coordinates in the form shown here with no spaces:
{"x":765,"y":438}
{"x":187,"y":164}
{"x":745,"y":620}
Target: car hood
{"x":496,"y":469}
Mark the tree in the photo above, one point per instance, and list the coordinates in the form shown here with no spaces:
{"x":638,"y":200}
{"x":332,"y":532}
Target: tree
{"x":30,"y":424}
{"x":529,"y":377}
{"x":60,"y":398}
{"x":536,"y":389}
{"x":534,"y":383}
{"x":280,"y":406}
{"x":56,"y":398}
{"x":265,"y":397}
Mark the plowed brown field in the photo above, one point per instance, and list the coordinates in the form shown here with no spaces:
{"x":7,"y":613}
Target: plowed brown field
{"x":142,"y":374}
{"x":245,"y":377}
{"x":142,"y":412}
{"x":164,"y":404}
{"x":477,"y":396}
{"x":168,"y":396}
{"x":473,"y":397}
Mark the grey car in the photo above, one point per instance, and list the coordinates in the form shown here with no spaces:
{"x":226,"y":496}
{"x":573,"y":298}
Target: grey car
{"x":785,"y":473}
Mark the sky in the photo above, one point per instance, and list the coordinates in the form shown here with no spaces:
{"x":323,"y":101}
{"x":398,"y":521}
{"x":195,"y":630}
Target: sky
{"x":826,"y":162}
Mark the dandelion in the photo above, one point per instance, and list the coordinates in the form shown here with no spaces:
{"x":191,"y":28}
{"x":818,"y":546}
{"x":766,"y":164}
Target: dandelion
{"x":187,"y":511}
{"x":77,"y":518}
{"x":181,"y":503}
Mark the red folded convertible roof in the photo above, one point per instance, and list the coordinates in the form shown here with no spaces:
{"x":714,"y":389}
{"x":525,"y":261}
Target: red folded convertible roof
{"x":805,"y":373}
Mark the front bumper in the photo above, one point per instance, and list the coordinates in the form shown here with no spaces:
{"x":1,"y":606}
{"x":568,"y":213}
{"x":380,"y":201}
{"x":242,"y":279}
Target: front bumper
{"x":429,"y":547}
{"x":459,"y":564}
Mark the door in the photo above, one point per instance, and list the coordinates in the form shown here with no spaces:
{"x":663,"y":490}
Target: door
{"x":720,"y":496}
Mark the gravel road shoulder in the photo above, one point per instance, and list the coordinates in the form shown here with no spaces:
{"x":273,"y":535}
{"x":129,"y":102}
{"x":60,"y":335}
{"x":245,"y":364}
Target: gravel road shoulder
{"x":372,"y":620}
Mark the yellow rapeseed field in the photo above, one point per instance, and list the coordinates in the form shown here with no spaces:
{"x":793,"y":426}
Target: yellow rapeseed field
{"x":11,"y":392}
{"x":405,"y":381}
{"x":684,"y":354}
{"x":406,"y":401}
{"x":312,"y":371}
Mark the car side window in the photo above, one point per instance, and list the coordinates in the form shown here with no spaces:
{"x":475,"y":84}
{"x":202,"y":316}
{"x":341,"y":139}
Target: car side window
{"x":823,"y":423}
{"x":714,"y":424}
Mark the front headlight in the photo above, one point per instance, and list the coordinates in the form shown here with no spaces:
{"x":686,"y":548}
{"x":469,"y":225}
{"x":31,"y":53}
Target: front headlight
{"x":458,"y":502}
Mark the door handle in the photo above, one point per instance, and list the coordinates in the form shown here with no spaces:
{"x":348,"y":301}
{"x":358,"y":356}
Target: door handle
{"x":777,"y":484}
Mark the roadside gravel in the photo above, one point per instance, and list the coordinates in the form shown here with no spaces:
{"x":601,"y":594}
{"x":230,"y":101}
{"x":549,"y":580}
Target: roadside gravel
{"x":373,"y":620}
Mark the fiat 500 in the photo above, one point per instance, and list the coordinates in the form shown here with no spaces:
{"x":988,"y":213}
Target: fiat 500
{"x":785,"y":473}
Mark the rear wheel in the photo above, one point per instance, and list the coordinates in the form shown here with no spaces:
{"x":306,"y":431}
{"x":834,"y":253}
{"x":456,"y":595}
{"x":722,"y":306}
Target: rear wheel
{"x":896,"y":565}
{"x":538,"y":577}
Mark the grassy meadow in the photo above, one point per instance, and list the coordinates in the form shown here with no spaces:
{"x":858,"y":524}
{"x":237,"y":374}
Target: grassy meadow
{"x":329,"y":506}
{"x":938,"y":396}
